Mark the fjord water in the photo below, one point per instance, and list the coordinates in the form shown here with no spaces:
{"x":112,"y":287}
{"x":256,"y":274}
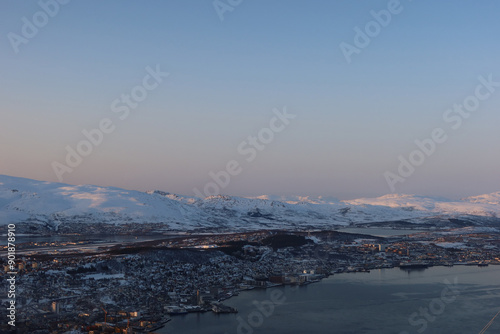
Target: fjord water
{"x":380,"y":232}
{"x":382,"y":301}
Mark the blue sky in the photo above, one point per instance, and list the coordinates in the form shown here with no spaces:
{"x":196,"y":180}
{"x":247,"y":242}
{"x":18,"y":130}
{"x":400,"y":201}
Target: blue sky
{"x":225,"y":78}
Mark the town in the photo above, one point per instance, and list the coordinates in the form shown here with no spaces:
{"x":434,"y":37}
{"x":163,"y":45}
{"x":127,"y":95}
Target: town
{"x":137,"y":287}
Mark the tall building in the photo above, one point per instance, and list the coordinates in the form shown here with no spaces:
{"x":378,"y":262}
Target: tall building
{"x":55,"y":307}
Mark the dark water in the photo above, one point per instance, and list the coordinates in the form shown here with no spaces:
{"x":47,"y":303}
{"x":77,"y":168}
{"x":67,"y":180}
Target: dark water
{"x":380,"y":232}
{"x":382,"y":301}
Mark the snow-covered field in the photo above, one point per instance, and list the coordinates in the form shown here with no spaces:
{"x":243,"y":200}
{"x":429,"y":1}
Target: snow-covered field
{"x":53,"y":204}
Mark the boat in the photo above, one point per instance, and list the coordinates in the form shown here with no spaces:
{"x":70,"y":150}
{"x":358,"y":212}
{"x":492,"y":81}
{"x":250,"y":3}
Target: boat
{"x":192,"y":309}
{"x":220,"y":308}
{"x":413,"y":265}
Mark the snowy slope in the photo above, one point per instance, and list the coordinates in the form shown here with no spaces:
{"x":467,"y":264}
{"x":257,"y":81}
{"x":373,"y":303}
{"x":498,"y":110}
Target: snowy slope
{"x":22,"y":199}
{"x":493,"y":198}
{"x":52,"y":204}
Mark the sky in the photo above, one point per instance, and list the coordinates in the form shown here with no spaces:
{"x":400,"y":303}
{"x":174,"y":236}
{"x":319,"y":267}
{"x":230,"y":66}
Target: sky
{"x":333,"y":93}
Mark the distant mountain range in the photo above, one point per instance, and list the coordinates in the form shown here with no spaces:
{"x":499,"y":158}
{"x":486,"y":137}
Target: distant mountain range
{"x":52,"y":204}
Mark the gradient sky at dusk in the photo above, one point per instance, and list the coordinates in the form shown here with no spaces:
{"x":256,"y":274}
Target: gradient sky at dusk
{"x":226,"y":77}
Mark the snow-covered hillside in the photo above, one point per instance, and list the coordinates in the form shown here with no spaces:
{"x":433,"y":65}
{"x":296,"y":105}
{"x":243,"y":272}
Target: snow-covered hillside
{"x":53,"y":204}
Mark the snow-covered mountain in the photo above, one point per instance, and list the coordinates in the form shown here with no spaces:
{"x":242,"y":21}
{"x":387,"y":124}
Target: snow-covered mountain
{"x":53,"y":204}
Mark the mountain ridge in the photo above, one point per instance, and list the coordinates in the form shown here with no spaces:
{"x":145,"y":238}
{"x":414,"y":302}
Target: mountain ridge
{"x":25,"y":200}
